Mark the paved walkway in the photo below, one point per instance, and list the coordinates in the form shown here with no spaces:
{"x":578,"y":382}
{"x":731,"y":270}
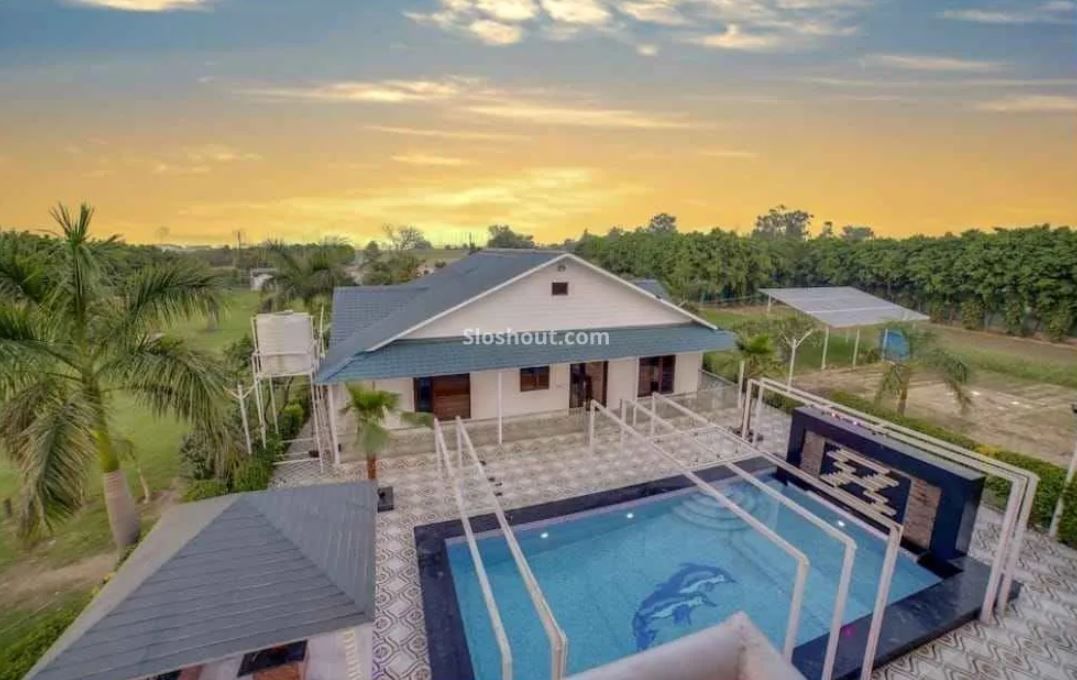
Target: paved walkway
{"x":1036,"y":638}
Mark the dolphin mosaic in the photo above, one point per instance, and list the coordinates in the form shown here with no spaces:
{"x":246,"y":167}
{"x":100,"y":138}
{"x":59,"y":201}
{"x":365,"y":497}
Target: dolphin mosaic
{"x":675,"y":598}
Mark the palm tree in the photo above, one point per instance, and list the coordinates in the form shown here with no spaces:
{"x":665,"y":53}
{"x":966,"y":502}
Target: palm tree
{"x":758,"y":354}
{"x":371,"y":407}
{"x":924,"y":355}
{"x":74,"y":331}
{"x":309,"y":277}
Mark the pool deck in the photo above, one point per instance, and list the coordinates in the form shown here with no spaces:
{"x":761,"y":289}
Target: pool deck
{"x":1035,"y":638}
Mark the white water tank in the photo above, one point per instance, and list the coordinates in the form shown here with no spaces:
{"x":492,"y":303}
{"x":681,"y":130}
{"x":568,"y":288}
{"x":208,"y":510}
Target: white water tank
{"x":285,"y":343}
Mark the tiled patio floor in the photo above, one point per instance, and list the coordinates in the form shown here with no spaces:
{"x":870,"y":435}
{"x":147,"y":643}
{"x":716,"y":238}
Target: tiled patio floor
{"x":1036,"y":638}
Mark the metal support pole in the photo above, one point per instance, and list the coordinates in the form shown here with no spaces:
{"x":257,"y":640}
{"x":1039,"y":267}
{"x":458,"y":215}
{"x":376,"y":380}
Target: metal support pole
{"x":882,"y":596}
{"x":792,"y":361}
{"x":622,"y":442}
{"x":459,"y":445}
{"x":500,"y":413}
{"x":758,"y":418}
{"x":740,"y":383}
{"x":273,"y":406}
{"x":1015,"y":548}
{"x":243,"y":417}
{"x":333,"y":437}
{"x":651,"y":433}
{"x":260,"y":408}
{"x":316,"y":424}
{"x":590,"y":427}
{"x":1061,"y":504}
{"x":856,"y":346}
{"x":770,"y":301}
{"x":746,"y":409}
{"x":826,"y":346}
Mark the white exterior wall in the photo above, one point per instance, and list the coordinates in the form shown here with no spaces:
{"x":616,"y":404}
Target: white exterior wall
{"x":622,"y":383}
{"x":513,"y":401}
{"x":686,"y":372}
{"x":623,"y":377}
{"x":593,"y":301}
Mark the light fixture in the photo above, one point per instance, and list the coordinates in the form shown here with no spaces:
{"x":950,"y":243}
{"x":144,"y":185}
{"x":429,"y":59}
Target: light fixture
{"x":841,"y":523}
{"x":544,"y":534}
{"x":630,"y":515}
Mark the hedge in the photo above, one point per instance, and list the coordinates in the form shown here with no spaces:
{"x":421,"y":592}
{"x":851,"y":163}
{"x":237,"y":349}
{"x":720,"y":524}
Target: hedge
{"x":1052,"y":477}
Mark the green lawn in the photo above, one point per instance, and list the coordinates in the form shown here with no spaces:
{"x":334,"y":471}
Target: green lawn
{"x":156,"y":442}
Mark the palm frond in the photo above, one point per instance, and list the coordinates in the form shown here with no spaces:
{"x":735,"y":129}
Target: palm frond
{"x":47,"y":431}
{"x":174,"y":378}
{"x":892,"y":379}
{"x":27,"y":351}
{"x":169,"y":292}
{"x":23,"y":276}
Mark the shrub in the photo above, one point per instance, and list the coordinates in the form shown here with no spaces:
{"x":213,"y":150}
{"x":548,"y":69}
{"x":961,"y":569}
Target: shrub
{"x":1059,"y":324}
{"x":1013,"y":316}
{"x":252,"y":474}
{"x":201,"y":489}
{"x":37,"y":636}
{"x":291,"y":419}
{"x":972,"y":314}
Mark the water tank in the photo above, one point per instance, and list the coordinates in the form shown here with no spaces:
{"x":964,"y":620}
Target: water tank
{"x":285,"y":343}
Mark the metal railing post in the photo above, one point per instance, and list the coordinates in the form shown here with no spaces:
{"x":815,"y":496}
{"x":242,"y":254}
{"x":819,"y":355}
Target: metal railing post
{"x":591,"y":427}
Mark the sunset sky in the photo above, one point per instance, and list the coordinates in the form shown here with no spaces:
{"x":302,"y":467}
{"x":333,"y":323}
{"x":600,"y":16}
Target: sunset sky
{"x":185,"y":120}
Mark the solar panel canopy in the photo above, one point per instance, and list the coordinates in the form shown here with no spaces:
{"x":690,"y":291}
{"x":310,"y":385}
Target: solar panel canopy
{"x":843,"y":306}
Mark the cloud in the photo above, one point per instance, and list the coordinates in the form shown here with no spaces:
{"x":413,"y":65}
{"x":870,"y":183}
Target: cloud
{"x":750,"y":25}
{"x":473,"y":96}
{"x":732,"y":154}
{"x":377,"y":92}
{"x":733,"y":38}
{"x":1033,"y":103}
{"x":1055,"y":12}
{"x":495,"y":33}
{"x":445,"y":134}
{"x":586,"y":12}
{"x":889,"y":83}
{"x":145,"y":5}
{"x":218,"y":153}
{"x":508,"y":10}
{"x":532,"y":199}
{"x":553,"y":114}
{"x":661,"y":12}
{"x":647,"y":50}
{"x":429,"y":159}
{"x":923,"y":62}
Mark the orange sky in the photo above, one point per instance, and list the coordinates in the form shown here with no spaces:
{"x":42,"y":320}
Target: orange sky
{"x":188,"y":145}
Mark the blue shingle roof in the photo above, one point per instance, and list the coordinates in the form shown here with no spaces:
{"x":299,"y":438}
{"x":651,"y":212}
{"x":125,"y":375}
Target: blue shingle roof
{"x":407,"y":358}
{"x":419,"y":300}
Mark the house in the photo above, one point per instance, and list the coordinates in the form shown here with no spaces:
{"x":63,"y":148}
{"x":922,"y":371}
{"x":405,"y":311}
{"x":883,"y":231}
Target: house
{"x":511,"y":332}
{"x":258,"y":585}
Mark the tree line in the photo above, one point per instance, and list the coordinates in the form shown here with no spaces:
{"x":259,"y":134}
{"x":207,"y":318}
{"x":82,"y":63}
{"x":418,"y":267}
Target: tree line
{"x":1024,"y":279}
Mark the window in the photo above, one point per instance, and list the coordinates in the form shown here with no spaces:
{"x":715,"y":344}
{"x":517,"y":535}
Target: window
{"x":656,"y":374}
{"x":559,"y":288}
{"x":534,"y":378}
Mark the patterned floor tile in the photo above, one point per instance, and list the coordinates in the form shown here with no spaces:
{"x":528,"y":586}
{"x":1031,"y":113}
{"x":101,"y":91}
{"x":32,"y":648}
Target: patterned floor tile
{"x":1036,"y":638}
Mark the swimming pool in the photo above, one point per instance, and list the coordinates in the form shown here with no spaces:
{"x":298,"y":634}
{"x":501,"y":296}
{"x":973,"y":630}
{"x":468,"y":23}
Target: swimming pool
{"x":630,"y":576}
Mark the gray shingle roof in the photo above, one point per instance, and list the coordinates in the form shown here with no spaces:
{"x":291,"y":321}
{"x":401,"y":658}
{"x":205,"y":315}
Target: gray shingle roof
{"x":842,"y":306}
{"x":405,"y":358}
{"x":443,"y":289}
{"x":654,"y":287}
{"x":227,"y":576}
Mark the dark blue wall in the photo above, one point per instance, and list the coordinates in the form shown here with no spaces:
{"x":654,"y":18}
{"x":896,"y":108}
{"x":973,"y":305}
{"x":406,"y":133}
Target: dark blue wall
{"x":960,"y":487}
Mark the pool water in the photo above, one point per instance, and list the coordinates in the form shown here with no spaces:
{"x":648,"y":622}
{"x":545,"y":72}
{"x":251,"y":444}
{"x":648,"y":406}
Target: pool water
{"x":633,"y":576}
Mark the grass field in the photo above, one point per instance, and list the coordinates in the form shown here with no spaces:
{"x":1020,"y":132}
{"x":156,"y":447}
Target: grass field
{"x":66,"y":566}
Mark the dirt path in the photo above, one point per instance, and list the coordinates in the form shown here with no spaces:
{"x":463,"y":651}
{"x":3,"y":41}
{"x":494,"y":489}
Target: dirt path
{"x":1020,"y":415}
{"x":29,"y":582}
